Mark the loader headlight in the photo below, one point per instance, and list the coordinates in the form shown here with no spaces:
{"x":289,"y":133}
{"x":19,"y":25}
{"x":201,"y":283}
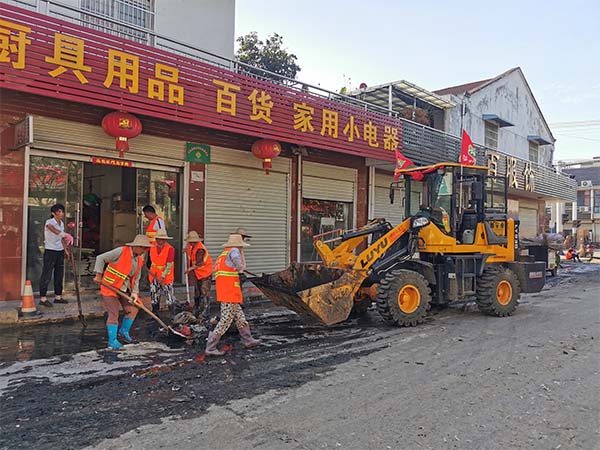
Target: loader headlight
{"x":420,"y":222}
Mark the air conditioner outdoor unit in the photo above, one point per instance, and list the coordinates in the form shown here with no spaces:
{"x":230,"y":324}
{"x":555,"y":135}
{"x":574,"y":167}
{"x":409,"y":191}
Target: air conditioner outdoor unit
{"x":583,"y":209}
{"x":586,"y":183}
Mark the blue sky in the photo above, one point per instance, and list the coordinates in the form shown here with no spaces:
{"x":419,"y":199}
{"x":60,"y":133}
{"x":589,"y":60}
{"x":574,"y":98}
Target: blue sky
{"x":436,"y":44}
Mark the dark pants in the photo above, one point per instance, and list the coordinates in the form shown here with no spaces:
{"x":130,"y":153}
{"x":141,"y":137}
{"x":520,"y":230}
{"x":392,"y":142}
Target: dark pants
{"x":54,"y":261}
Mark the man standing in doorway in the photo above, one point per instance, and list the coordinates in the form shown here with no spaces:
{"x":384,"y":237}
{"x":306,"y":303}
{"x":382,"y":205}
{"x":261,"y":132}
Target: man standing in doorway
{"x":123,"y":273}
{"x":200,"y":271}
{"x":156,"y":222}
{"x":229,"y":294}
{"x":54,"y":255}
{"x":162,"y":272}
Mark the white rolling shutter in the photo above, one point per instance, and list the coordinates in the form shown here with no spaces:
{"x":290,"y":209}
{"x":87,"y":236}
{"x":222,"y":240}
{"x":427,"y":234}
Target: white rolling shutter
{"x":240,"y":194}
{"x":528,"y":222}
{"x":382,"y":207}
{"x":325,"y":182}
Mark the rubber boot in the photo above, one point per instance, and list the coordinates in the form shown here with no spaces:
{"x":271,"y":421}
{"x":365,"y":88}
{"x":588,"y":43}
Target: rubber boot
{"x":211,"y":345}
{"x":247,"y":340}
{"x":124,"y":331}
{"x":113,"y":343}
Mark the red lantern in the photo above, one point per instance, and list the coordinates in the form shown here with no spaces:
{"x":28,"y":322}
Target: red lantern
{"x":266,"y":149}
{"x":122,"y":126}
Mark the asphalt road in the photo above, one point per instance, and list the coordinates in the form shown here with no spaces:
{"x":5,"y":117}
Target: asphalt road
{"x":460,"y":381}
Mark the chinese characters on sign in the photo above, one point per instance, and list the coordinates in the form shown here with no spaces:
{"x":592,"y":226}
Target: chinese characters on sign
{"x":185,"y":88}
{"x":493,"y":162}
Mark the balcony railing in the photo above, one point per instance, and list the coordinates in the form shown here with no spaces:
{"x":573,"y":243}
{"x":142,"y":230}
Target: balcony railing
{"x":422,"y":144}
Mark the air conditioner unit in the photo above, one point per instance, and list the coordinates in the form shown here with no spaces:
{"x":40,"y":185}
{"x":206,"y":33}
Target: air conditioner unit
{"x":583,"y":209}
{"x":586,"y":183}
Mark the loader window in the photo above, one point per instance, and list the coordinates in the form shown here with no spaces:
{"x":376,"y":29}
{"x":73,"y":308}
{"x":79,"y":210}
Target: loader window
{"x":442,"y":192}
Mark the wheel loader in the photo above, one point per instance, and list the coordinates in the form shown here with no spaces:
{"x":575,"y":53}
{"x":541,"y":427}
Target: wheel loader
{"x":456,"y":243}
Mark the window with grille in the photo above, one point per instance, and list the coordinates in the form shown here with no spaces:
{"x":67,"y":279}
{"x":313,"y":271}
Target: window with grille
{"x":139,"y":13}
{"x":534,"y":152}
{"x":491,"y":135}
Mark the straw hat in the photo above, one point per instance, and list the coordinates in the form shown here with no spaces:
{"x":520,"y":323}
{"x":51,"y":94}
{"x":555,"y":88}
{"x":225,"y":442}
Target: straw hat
{"x":193,"y":237}
{"x":235,"y":240}
{"x":141,"y":240}
{"x":242,"y":231}
{"x":162,"y":234}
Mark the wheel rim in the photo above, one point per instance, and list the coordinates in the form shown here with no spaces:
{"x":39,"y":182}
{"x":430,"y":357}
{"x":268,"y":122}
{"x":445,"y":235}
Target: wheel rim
{"x":504,"y":292}
{"x":409,"y":299}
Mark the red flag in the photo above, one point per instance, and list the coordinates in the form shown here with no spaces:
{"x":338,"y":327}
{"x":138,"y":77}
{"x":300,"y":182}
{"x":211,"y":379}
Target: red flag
{"x":468,"y":154}
{"x":402,"y":162}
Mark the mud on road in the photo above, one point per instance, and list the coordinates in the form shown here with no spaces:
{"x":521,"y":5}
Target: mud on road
{"x":76,"y":400}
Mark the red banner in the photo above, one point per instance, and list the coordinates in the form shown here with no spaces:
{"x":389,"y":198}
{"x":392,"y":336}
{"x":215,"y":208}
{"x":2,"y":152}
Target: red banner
{"x":47,"y":56}
{"x":111,"y":162}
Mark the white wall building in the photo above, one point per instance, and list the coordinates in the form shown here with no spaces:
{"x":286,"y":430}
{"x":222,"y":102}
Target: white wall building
{"x":502,"y":114}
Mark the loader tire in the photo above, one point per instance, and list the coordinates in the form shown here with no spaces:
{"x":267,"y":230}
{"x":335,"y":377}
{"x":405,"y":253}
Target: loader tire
{"x":498,"y":292}
{"x":403,"y":298}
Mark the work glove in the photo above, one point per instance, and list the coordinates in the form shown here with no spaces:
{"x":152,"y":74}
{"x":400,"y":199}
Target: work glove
{"x":243,"y":278}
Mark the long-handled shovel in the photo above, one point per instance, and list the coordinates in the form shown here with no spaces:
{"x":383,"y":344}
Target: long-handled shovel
{"x":141,"y":306}
{"x":71,"y":258}
{"x":187,"y":281}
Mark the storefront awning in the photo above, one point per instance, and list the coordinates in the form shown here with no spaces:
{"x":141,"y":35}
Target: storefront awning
{"x":497,"y":120}
{"x":540,"y":140}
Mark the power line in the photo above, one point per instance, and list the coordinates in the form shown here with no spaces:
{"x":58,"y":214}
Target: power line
{"x":575,"y":124}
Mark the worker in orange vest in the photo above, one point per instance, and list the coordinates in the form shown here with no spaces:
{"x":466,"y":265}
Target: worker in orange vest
{"x":123,"y":273}
{"x":156,"y":222}
{"x":199,"y":270}
{"x":162,"y":272}
{"x":229,"y":294}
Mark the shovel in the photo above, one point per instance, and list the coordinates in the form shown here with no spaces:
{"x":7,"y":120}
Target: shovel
{"x":71,"y":259}
{"x":140,"y":305}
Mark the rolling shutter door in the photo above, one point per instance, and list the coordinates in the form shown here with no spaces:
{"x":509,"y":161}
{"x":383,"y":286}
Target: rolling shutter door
{"x":529,"y":222}
{"x":240,"y":194}
{"x":382,"y":206}
{"x":325,"y":182}
{"x":91,"y":140}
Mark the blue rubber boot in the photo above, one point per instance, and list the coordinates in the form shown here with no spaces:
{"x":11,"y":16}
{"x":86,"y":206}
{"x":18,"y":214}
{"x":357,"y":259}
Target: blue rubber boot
{"x":124,"y":331}
{"x":113,"y":343}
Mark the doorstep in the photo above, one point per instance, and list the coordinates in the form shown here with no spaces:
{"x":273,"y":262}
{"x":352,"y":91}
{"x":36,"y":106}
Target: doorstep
{"x":92,"y":307}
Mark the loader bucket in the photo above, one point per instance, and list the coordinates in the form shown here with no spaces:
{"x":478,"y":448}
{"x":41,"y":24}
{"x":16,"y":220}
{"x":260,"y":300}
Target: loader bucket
{"x":322,"y":293}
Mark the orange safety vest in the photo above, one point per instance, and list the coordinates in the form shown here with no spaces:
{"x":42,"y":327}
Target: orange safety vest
{"x":150,"y":231}
{"x":159,"y":264}
{"x":205,"y":270}
{"x":116,"y":273}
{"x":227,"y":281}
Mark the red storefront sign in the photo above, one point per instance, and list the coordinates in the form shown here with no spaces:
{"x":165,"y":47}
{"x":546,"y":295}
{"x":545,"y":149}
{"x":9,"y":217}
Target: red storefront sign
{"x":111,"y":162}
{"x":46,"y":56}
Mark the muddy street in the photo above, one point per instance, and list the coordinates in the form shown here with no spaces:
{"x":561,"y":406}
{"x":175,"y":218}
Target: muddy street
{"x":461,"y":380}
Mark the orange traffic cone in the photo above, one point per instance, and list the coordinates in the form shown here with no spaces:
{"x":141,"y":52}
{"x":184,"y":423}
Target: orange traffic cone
{"x":28,"y":308}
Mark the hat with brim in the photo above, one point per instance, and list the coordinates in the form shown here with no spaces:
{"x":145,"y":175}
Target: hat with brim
{"x":162,"y":234}
{"x":193,"y":237}
{"x":141,"y":240}
{"x":242,"y":231}
{"x":235,"y":240}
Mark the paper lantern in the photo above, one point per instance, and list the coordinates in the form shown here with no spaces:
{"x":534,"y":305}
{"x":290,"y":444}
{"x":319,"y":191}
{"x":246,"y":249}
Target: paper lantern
{"x":122,"y":126}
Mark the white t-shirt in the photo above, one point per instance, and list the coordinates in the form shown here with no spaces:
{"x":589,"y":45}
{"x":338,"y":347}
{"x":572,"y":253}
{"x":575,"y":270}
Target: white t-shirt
{"x":53,"y":241}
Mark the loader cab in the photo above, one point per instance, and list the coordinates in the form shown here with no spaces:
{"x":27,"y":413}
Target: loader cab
{"x":457,"y":198}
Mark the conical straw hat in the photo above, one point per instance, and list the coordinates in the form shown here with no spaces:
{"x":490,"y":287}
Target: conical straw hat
{"x":162,"y":234}
{"x":242,"y":231}
{"x":141,"y":240}
{"x":235,"y":240}
{"x":193,"y":237}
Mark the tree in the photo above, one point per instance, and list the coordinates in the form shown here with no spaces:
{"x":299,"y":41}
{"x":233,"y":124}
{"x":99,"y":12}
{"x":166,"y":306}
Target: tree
{"x":269,"y":55}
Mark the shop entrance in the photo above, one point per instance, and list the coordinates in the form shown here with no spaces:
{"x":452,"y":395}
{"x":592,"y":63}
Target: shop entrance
{"x":103,"y":209}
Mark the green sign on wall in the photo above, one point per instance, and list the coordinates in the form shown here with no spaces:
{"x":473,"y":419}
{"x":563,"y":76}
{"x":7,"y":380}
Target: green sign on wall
{"x":198,"y":153}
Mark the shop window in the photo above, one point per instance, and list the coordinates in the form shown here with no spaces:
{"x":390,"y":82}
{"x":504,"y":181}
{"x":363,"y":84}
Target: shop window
{"x":139,"y":13}
{"x":319,"y":217}
{"x":491,"y":135}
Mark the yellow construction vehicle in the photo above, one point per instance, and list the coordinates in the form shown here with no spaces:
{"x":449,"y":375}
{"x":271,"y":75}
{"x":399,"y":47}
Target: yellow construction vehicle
{"x":457,"y":243}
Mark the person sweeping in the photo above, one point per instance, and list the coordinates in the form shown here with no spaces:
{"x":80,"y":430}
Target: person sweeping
{"x":162,"y":272}
{"x":199,"y":271}
{"x":123,"y":273}
{"x":229,"y":294}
